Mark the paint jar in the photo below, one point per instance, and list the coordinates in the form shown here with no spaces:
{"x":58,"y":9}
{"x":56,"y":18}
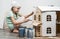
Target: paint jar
{"x":22,"y":32}
{"x":29,"y":32}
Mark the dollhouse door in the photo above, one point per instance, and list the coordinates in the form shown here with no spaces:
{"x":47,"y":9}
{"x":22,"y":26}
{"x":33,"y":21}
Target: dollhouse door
{"x":48,"y":24}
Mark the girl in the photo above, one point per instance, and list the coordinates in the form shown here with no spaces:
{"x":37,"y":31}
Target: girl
{"x":13,"y":16}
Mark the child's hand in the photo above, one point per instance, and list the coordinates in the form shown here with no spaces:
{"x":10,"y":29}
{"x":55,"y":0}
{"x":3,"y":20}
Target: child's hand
{"x":26,"y":20}
{"x":32,"y":13}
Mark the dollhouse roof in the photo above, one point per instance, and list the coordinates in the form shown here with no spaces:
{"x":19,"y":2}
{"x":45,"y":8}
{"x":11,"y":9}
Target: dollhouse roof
{"x":49,"y":8}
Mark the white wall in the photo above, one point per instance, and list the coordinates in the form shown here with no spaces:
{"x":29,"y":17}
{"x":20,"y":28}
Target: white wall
{"x":49,"y":2}
{"x":27,"y":6}
{"x":4,"y":6}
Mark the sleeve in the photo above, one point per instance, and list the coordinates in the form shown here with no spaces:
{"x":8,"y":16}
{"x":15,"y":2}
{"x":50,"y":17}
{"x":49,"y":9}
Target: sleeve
{"x":10,"y":14}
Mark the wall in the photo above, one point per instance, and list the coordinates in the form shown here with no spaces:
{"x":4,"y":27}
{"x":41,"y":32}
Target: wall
{"x":26,"y":6}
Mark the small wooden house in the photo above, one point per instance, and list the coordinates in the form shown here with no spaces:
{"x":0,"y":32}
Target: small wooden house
{"x":47,"y":16}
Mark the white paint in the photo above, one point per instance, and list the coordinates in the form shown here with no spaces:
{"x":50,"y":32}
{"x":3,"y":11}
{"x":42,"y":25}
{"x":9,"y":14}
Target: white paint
{"x":51,"y":24}
{"x":49,"y":8}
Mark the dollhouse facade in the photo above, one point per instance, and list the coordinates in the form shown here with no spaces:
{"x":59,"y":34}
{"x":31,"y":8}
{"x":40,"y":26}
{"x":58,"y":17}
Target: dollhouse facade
{"x":46,"y":16}
{"x":37,"y":19}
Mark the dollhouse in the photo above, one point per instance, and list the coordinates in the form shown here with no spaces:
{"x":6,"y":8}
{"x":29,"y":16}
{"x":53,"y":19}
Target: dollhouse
{"x":37,"y":19}
{"x":46,"y":16}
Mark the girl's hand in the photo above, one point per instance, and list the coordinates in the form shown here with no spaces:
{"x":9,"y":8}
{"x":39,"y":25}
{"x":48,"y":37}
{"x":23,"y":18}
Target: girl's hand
{"x":32,"y":13}
{"x":29,"y":15}
{"x":26,"y":20}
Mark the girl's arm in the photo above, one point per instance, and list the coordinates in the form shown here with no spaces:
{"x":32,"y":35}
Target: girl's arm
{"x":26,"y":16}
{"x":29,"y":15}
{"x":15,"y":22}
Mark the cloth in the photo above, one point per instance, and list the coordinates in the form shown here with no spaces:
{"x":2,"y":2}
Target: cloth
{"x":8,"y":19}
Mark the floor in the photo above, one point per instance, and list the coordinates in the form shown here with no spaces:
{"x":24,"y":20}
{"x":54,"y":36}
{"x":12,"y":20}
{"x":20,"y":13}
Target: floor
{"x":7,"y":35}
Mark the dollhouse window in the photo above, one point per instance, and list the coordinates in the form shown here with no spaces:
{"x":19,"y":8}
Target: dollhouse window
{"x":48,"y":30}
{"x":34,"y":17}
{"x":48,"y":17}
{"x":39,"y":18}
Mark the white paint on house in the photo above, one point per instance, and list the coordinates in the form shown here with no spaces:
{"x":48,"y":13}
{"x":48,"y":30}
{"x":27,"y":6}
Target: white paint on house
{"x":49,"y":24}
{"x":49,"y":8}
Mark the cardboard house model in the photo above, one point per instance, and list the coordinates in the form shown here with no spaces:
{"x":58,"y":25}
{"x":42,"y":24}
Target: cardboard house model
{"x":46,"y":16}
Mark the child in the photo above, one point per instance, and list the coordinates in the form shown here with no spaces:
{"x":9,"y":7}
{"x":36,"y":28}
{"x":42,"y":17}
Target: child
{"x":13,"y":16}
